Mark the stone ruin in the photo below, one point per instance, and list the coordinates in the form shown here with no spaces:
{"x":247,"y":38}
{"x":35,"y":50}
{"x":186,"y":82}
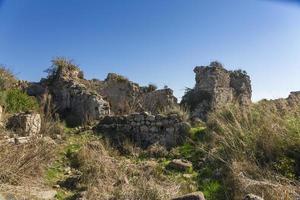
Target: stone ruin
{"x":146,"y":129}
{"x":290,"y":104}
{"x":123,"y":106}
{"x":127,"y":97}
{"x":25,"y":124}
{"x":66,"y":90}
{"x":216,"y":87}
{"x":79,"y":101}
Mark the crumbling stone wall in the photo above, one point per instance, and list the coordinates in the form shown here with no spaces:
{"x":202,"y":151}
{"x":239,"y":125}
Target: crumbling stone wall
{"x":216,"y":87}
{"x":127,"y":97}
{"x":287,"y":105}
{"x":79,"y":100}
{"x":146,"y":129}
{"x":74,"y":100}
{"x":68,"y":93}
{"x":122,"y":94}
{"x":158,"y":100}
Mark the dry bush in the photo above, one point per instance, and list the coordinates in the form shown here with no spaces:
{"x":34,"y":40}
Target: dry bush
{"x":24,"y":163}
{"x":178,"y":110}
{"x":108,"y":177}
{"x":52,"y":127}
{"x":7,"y":79}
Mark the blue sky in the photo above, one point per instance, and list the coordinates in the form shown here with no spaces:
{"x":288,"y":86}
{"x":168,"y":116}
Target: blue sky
{"x":156,"y":41}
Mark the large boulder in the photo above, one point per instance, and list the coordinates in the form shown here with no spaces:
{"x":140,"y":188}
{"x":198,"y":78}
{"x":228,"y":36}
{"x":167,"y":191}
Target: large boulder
{"x":216,"y":87}
{"x":25,"y":124}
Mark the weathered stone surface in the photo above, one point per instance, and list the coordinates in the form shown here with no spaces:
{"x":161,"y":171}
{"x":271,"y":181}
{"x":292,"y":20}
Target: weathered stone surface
{"x":7,"y":196}
{"x":146,"y":129}
{"x":158,"y":100}
{"x":79,"y":100}
{"x":1,"y":113}
{"x":25,"y":124}
{"x":216,"y":87}
{"x":126,"y":97}
{"x":180,"y":165}
{"x":252,"y":197}
{"x":19,"y":192}
{"x":192,"y":196}
{"x":22,"y":140}
{"x":284,"y":105}
{"x":71,"y":96}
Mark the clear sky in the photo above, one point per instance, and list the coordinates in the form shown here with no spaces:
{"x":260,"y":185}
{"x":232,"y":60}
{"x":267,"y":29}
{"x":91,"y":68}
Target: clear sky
{"x":156,"y":41}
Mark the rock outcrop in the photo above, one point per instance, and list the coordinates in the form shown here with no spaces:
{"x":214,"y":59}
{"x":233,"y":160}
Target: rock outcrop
{"x":25,"y":124}
{"x":146,"y":129}
{"x":216,"y":87}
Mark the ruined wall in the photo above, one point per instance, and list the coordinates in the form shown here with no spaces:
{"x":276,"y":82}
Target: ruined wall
{"x":216,"y":87}
{"x":127,"y":97}
{"x":74,"y":100}
{"x":146,"y":129}
{"x":158,"y":100}
{"x":79,"y":100}
{"x":122,"y":94}
{"x":69,"y":94}
{"x":284,"y":105}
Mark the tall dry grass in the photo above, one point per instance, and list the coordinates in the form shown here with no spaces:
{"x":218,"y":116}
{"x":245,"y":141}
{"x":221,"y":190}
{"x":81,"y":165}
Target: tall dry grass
{"x":24,"y":163}
{"x":260,"y":149}
{"x":111,"y":177}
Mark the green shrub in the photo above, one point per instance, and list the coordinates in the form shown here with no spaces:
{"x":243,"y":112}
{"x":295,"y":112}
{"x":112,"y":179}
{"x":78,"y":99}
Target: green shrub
{"x":18,"y":101}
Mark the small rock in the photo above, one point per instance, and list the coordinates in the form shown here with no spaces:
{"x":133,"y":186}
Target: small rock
{"x":81,"y":196}
{"x":180,"y":165}
{"x":46,"y":195}
{"x":21,"y":140}
{"x":11,"y":140}
{"x":68,"y":170}
{"x":252,"y":197}
{"x":192,"y":196}
{"x":188,"y":176}
{"x":56,"y":186}
{"x":7,"y":197}
{"x":49,"y":141}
